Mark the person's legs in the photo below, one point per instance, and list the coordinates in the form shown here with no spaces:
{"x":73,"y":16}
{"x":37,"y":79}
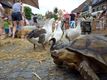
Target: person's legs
{"x":1,"y":26}
{"x":6,"y":32}
{"x":72,"y":24}
{"x":16,"y":17}
{"x":1,"y":30}
{"x":19,"y":18}
{"x":14,"y":20}
{"x":14,"y":29}
{"x":21,"y":25}
{"x":10,"y":31}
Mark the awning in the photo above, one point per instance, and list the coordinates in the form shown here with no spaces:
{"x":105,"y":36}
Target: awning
{"x":33,"y":3}
{"x":6,"y":4}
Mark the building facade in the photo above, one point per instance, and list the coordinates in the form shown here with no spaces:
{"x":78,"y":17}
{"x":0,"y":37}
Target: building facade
{"x":98,"y":5}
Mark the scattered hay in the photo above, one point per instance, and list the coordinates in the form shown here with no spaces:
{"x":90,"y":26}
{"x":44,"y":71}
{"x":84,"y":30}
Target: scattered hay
{"x":21,"y":49}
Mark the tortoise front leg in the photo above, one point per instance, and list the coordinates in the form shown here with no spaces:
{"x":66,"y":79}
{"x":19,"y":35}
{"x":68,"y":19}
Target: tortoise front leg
{"x":86,"y":71}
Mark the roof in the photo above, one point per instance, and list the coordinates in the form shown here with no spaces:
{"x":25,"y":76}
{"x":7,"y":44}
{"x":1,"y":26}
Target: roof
{"x":33,"y":3}
{"x":79,"y":8}
{"x":97,"y":2}
{"x":83,"y":6}
{"x":6,"y":4}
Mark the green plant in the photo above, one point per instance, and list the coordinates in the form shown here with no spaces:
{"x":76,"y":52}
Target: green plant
{"x":28,"y":12}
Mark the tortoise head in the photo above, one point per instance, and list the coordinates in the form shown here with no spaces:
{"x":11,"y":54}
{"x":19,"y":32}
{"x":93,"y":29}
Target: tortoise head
{"x":66,"y":56}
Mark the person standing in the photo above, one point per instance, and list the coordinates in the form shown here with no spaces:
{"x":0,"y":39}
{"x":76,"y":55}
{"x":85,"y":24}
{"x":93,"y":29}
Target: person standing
{"x":6,"y":26}
{"x":16,"y":16}
{"x":1,"y":20}
{"x":35,"y":19}
{"x":103,"y":17}
{"x":72,"y":20}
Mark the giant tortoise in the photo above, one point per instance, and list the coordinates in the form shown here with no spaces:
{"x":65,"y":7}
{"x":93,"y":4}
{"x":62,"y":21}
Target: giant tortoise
{"x":87,"y":54}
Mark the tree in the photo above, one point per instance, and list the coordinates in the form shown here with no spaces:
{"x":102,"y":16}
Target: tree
{"x":55,"y":11}
{"x":28,"y":12}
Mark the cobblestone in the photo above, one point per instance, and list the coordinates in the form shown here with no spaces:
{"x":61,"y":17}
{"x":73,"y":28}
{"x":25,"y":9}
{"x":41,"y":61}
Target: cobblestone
{"x":19,"y":62}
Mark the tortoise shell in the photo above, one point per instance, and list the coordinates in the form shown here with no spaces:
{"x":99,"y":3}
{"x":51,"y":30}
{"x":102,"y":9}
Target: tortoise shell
{"x":94,"y":47}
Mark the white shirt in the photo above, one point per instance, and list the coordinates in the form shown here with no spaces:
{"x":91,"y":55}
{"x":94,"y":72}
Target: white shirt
{"x":16,"y":7}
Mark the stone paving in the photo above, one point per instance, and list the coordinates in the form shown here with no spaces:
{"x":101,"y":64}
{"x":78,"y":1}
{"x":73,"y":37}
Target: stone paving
{"x":23,"y":70}
{"x":18,"y":61}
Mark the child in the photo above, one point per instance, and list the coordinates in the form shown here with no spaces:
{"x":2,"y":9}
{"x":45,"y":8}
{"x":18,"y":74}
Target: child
{"x":6,"y":26}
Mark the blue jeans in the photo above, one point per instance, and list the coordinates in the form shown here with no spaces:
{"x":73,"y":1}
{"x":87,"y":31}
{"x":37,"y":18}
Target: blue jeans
{"x":6,"y":31}
{"x":72,"y":24}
